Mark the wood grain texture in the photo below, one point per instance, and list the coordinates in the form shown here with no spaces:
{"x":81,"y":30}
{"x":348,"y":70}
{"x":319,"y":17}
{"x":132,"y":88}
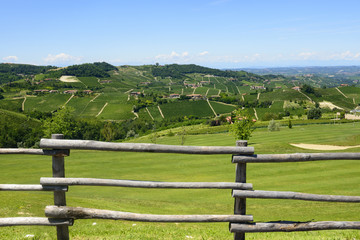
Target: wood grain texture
{"x":61,"y":152}
{"x":25,"y":221}
{"x":295,"y":157}
{"x":293,"y":226}
{"x":142,"y":147}
{"x":30,"y":187}
{"x":90,"y":213}
{"x":294,"y":196}
{"x":143,"y":184}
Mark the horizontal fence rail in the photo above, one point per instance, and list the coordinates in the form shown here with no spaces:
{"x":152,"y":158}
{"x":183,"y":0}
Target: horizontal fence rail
{"x":40,"y":221}
{"x":90,"y":213}
{"x":142,"y":147}
{"x":30,"y":187}
{"x":294,"y":196}
{"x":293,"y":226}
{"x":61,"y":152}
{"x":295,"y":157}
{"x":143,"y":184}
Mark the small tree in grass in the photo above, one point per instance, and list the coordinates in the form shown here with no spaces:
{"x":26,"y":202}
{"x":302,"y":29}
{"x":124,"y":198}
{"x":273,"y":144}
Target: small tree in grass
{"x":241,"y":125}
{"x":273,"y":126}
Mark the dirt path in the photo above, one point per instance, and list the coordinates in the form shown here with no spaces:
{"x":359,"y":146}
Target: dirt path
{"x":23,"y":104}
{"x":228,"y":104}
{"x":162,"y":115}
{"x":95,"y":97}
{"x":305,"y":96}
{"x":258,"y":96}
{"x":341,"y":92}
{"x":194,"y":91}
{"x":238,"y":89}
{"x":325,"y":104}
{"x":354,"y":100}
{"x":255,"y":113}
{"x":219,"y":92}
{"x":136,"y":115}
{"x":149,"y":113}
{"x":211,"y":107}
{"x":207,"y":92}
{"x":68,"y":100}
{"x":102,"y":109}
{"x":322,"y":147}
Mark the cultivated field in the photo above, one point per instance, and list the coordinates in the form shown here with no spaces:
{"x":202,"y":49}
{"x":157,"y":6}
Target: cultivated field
{"x":326,"y":177}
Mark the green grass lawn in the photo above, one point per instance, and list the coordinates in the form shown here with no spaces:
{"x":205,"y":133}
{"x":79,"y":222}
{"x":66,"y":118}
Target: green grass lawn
{"x":325,"y":177}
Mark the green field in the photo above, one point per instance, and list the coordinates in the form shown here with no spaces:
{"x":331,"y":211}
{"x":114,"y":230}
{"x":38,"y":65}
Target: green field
{"x":186,"y":108}
{"x":326,"y":177}
{"x":46,"y":103}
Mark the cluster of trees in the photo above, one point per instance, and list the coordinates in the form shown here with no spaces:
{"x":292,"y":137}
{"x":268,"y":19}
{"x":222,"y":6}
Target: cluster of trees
{"x":27,"y":132}
{"x":178,"y":71}
{"x":13,"y":72}
{"x":97,"y":69}
{"x":310,"y":90}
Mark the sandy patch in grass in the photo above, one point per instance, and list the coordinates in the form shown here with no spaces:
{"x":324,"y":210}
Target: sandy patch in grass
{"x":330,"y":105}
{"x":66,"y":78}
{"x":322,"y":147}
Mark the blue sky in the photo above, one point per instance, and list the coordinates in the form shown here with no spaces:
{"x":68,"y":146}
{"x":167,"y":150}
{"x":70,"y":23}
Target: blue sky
{"x":214,"y":33}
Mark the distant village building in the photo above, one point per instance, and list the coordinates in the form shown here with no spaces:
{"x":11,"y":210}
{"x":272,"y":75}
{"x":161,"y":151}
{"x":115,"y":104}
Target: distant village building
{"x":135,"y":94}
{"x":105,"y":81}
{"x":41,"y":91}
{"x":88,"y":91}
{"x":70,"y":91}
{"x":257,"y":87}
{"x":296,"y":88}
{"x":344,"y":85}
{"x":54,"y":91}
{"x":195,"y":96}
{"x":192,"y":85}
{"x":174,"y":95}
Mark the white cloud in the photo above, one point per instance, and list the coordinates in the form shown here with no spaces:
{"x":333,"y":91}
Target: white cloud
{"x":306,"y":55}
{"x":183,"y":57}
{"x":10,"y":58}
{"x":61,"y":58}
{"x":173,"y":56}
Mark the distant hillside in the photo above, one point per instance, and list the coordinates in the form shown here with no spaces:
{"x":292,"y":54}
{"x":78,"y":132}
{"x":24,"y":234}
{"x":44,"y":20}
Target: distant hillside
{"x":10,"y":72}
{"x":329,"y":70}
{"x":180,"y":71}
{"x":97,"y":69}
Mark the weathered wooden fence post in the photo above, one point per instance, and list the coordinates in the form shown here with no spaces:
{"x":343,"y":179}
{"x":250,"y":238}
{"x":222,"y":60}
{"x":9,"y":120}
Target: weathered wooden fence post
{"x":58,"y":169}
{"x":240,"y":176}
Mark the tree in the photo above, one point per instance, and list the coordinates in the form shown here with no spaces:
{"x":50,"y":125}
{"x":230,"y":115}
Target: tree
{"x":62,"y":122}
{"x":290,"y":124}
{"x":242,"y":125}
{"x":314,"y":113}
{"x":273,"y":126}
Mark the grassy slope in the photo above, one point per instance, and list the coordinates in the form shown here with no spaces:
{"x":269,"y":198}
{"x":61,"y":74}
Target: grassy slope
{"x":46,"y":103}
{"x":331,"y":177}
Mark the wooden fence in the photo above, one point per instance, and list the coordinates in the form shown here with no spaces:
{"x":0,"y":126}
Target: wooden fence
{"x":62,"y":216}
